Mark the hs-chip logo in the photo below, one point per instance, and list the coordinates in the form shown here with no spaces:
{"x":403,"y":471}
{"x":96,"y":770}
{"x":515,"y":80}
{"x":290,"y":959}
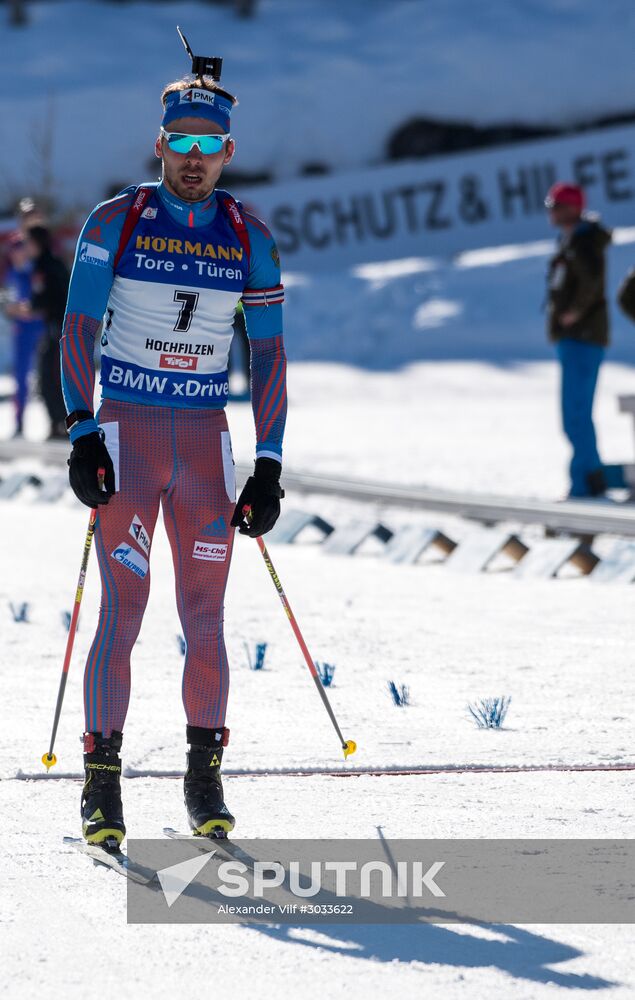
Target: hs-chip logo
{"x":209,"y":551}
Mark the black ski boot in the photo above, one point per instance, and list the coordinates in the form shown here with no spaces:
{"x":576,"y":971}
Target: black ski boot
{"x":102,"y":813}
{"x":207,"y":813}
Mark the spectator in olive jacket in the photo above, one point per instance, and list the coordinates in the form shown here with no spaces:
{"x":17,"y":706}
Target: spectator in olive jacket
{"x":578,"y":324}
{"x":626,"y":295}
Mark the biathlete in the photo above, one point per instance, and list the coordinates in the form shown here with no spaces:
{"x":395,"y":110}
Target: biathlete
{"x":161,"y":269}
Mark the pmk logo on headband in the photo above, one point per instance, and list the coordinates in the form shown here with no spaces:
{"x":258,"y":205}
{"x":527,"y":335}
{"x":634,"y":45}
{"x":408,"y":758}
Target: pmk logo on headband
{"x":197,"y":97}
{"x":202,"y":103}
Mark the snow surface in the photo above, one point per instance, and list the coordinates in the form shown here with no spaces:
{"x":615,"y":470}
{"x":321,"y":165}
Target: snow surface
{"x":450,"y":638}
{"x":484,"y":306}
{"x":317,"y":80}
{"x":562,"y":650}
{"x":454,"y":425}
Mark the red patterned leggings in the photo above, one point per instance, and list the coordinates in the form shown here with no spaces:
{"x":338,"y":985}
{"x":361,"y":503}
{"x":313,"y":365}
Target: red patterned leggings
{"x":182,"y":460}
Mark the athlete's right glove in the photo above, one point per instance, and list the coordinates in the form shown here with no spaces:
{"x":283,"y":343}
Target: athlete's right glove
{"x":90,"y":454}
{"x":262,"y":493}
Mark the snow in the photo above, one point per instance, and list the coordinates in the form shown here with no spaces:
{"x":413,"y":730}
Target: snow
{"x":334,"y":78}
{"x":82,"y":907}
{"x":484,"y":306}
{"x":336,"y":600}
{"x":454,"y":425}
{"x":450,"y":638}
{"x":561,"y":649}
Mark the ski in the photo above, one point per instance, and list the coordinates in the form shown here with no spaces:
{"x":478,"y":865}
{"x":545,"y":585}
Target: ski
{"x":177,"y":835}
{"x":115,"y":859}
{"x":222,"y":843}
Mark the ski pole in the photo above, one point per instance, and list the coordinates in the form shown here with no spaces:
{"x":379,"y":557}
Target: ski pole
{"x":348,"y":746}
{"x":49,"y":759}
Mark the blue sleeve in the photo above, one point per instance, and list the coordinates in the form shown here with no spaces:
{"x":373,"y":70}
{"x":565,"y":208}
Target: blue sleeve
{"x":91,"y":281}
{"x":262,"y":302}
{"x":264,"y":294}
{"x":93,"y":268}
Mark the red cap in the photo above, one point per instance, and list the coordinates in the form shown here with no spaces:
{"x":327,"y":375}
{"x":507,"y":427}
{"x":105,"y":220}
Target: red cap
{"x":565,"y":194}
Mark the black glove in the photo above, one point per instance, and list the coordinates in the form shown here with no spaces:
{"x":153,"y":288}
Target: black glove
{"x":262,"y":492}
{"x":88,"y":455}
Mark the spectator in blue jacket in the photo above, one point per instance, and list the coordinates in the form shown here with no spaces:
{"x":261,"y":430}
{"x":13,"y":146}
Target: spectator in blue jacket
{"x":27,"y":328}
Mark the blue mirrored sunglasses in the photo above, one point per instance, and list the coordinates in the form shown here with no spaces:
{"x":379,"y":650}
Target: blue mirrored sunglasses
{"x":180,"y":142}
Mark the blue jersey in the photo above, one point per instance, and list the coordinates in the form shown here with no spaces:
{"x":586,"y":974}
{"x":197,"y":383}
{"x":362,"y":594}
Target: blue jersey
{"x":166,"y":296}
{"x":18,"y":283}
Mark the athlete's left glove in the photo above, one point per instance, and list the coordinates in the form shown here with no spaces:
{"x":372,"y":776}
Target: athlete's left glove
{"x":90,"y":454}
{"x":262,"y":493}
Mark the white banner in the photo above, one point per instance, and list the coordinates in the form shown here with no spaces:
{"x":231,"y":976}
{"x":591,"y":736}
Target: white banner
{"x":444,"y":205}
